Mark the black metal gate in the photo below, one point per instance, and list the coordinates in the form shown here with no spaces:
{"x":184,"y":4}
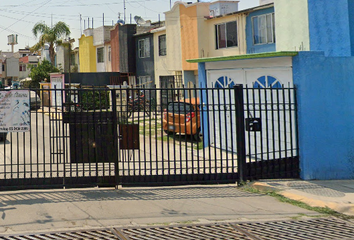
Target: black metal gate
{"x":267,"y":133}
{"x":101,"y":137}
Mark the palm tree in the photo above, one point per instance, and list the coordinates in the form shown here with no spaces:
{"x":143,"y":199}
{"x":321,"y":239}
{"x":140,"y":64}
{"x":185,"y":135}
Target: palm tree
{"x":51,"y":35}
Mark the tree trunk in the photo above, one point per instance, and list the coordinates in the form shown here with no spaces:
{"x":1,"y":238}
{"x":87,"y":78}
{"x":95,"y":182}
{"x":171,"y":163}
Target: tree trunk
{"x":52,"y":54}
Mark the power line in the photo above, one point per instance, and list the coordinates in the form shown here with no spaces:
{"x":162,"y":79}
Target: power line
{"x":26,"y":15}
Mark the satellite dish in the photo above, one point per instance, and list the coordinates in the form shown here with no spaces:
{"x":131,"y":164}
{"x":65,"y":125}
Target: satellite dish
{"x":139,"y":20}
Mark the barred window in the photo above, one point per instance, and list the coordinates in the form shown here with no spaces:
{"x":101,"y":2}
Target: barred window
{"x":144,"y":48}
{"x":162,"y":45}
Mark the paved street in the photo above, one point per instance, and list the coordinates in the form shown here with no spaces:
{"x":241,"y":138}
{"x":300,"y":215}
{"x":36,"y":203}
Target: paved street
{"x":49,"y":210}
{"x":191,"y":212}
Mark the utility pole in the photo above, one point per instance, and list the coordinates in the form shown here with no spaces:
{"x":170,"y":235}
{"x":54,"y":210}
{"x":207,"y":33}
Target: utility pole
{"x":124,"y":9}
{"x":80,"y":25}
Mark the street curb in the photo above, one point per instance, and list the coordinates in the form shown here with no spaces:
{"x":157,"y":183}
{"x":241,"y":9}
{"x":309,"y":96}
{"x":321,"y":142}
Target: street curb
{"x":343,"y":208}
{"x":264,"y":187}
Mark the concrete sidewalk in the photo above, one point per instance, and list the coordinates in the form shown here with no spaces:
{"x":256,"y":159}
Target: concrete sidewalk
{"x":335,"y":194}
{"x":34,"y":211}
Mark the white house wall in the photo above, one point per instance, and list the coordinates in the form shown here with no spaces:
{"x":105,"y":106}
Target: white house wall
{"x":203,"y":34}
{"x":13,"y":67}
{"x":108,"y":59}
{"x":246,"y":72}
{"x":173,"y":39}
{"x":293,"y":17}
{"x":160,"y":62}
{"x":101,"y":35}
{"x":101,"y":67}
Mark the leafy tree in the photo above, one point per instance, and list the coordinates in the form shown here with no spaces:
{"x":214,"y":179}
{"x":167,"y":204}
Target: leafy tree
{"x":51,"y":35}
{"x":40,"y":72}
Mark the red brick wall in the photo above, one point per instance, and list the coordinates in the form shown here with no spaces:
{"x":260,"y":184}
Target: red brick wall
{"x":115,"y":49}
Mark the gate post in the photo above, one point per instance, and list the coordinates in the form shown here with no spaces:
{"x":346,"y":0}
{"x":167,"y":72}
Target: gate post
{"x":115,"y":136}
{"x":240,"y":131}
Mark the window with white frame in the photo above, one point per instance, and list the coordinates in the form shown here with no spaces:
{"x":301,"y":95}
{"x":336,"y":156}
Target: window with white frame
{"x":144,"y":48}
{"x":263,"y":29}
{"x":109,"y":53}
{"x":100,"y":55}
{"x":162,"y":45}
{"x":226,"y":35}
{"x":22,"y":67}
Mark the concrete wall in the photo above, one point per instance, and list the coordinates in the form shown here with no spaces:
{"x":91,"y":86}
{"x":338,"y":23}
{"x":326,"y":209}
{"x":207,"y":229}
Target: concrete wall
{"x":12,"y":67}
{"x":291,"y":25}
{"x":160,"y":62}
{"x":108,"y":57}
{"x":173,"y":39}
{"x":326,"y":113}
{"x":62,"y":58}
{"x":203,"y":36}
{"x":101,"y":35}
{"x":257,"y":48}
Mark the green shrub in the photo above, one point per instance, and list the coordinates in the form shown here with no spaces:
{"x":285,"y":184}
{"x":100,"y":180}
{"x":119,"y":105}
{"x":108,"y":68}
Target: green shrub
{"x":94,"y":100}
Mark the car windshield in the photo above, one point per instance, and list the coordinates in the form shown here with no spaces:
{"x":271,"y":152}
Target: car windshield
{"x":180,"y":108}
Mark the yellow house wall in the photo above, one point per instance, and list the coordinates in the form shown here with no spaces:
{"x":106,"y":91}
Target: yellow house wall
{"x":241,"y":49}
{"x":173,"y":40}
{"x":87,"y":54}
{"x":292,"y":32}
{"x":160,"y":62}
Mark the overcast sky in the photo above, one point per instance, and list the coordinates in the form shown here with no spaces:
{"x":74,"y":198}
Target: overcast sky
{"x":19,"y":16}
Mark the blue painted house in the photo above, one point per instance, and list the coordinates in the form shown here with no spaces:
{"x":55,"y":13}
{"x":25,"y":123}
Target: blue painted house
{"x":313,"y":49}
{"x":260,"y":30}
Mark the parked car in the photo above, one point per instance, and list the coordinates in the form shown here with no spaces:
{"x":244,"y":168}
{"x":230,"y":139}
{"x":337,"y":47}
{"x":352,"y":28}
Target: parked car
{"x":183,"y":117}
{"x":35,"y":101}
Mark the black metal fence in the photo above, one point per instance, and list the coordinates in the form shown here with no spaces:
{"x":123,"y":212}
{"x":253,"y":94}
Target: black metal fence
{"x":110,"y":137}
{"x":271,"y":138}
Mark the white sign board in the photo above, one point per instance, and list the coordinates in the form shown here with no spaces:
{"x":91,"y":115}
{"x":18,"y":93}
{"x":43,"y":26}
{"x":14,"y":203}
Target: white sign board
{"x":15,"y":111}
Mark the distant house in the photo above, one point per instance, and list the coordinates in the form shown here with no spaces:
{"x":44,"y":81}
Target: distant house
{"x":25,"y":64}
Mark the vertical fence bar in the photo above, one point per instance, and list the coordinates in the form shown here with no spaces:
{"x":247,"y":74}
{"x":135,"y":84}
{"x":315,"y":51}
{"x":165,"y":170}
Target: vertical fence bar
{"x":240,"y":131}
{"x":115,"y":136}
{"x":296,"y":137}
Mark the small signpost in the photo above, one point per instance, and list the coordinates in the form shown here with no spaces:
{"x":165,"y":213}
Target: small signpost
{"x":15,"y":111}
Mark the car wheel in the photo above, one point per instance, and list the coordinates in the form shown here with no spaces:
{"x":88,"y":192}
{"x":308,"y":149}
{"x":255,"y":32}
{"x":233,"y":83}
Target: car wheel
{"x":168,"y":132}
{"x":196,"y":136}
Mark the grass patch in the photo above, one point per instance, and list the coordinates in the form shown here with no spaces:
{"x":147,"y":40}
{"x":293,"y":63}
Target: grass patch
{"x":164,"y":138}
{"x":323,"y":210}
{"x":199,"y":145}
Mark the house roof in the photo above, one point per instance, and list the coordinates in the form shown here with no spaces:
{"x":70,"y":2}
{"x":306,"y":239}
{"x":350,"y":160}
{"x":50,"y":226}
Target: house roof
{"x":186,"y":4}
{"x":245,"y":10}
{"x":246,"y":56}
